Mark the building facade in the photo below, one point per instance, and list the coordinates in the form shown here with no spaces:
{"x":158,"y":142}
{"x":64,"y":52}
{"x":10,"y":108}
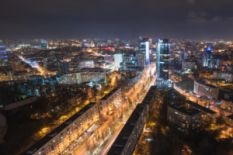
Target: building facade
{"x":183,"y":117}
{"x":208,"y":59}
{"x":145,"y":48}
{"x":3,"y":55}
{"x":162,"y":64}
{"x":83,"y":76}
{"x":203,"y":89}
{"x":118,"y":59}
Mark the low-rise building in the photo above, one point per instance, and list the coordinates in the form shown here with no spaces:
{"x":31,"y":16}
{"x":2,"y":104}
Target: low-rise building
{"x":129,"y":135}
{"x":226,"y":94}
{"x":84,"y":75}
{"x":227,"y":76}
{"x":188,"y":65}
{"x":203,"y":89}
{"x":183,"y":117}
{"x":61,"y":137}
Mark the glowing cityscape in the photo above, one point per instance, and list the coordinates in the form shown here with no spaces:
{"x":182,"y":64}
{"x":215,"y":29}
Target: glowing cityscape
{"x":116,"y":77}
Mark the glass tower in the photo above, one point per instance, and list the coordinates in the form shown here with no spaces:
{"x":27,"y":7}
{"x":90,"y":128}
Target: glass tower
{"x":3,"y":55}
{"x":145,"y":48}
{"x":162,"y":63}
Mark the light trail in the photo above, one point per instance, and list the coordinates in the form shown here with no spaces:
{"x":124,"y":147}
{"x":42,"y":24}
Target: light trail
{"x":100,"y":143}
{"x":36,"y":66}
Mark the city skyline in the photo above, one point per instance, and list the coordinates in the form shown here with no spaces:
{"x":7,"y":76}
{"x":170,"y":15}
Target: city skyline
{"x":116,"y":77}
{"x":86,"y":96}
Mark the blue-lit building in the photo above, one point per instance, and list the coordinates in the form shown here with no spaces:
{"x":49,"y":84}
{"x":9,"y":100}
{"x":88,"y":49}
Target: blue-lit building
{"x":208,"y":59}
{"x":145,"y":48}
{"x":118,"y":60}
{"x":43,"y":44}
{"x":129,"y":61}
{"x":162,"y":64}
{"x":3,"y":55}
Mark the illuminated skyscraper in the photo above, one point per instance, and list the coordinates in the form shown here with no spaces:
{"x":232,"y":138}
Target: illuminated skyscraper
{"x":118,"y":59}
{"x":207,"y":57}
{"x":3,"y":55}
{"x":43,"y":44}
{"x":209,"y":60}
{"x":145,"y":48}
{"x":162,"y":63}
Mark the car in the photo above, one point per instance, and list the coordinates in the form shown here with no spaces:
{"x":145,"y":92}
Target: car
{"x":149,"y":139}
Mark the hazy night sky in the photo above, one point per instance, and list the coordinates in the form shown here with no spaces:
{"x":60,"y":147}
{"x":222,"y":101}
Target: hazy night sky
{"x":200,"y":19}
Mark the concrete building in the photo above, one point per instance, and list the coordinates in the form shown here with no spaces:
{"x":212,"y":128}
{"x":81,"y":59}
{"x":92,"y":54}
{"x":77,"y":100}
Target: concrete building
{"x":63,"y":67}
{"x":140,"y":59}
{"x":227,"y":76}
{"x":206,"y":90}
{"x":129,"y":61}
{"x":186,"y":116}
{"x":84,"y":75}
{"x":188,"y":65}
{"x":86,"y":64}
{"x":145,"y":49}
{"x":226,"y":94}
{"x":129,"y":135}
{"x":58,"y":141}
{"x":110,"y":102}
{"x":183,"y":117}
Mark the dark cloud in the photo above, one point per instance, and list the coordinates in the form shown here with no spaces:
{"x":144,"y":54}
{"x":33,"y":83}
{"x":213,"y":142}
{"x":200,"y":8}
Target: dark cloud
{"x":110,"y":18}
{"x":191,"y":2}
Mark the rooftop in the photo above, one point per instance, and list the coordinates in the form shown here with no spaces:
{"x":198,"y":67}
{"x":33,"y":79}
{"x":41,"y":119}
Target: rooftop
{"x":92,"y":70}
{"x":183,"y":108}
{"x":204,"y":83}
{"x":150,"y":94}
{"x":175,"y":100}
{"x":201,"y":108}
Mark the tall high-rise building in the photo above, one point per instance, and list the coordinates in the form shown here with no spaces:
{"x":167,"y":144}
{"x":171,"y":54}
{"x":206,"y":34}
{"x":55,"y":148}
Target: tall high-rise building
{"x":118,"y":59}
{"x":207,"y":55}
{"x":129,"y":61}
{"x":43,"y":44}
{"x":3,"y":55}
{"x":162,"y":64}
{"x":140,"y":59}
{"x":145,"y":48}
{"x":63,"y":67}
{"x":208,"y":59}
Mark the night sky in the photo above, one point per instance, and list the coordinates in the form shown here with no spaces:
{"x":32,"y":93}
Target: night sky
{"x":195,"y":19}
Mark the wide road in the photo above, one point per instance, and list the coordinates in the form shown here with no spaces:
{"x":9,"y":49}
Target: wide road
{"x":104,"y":134}
{"x":111,"y":140}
